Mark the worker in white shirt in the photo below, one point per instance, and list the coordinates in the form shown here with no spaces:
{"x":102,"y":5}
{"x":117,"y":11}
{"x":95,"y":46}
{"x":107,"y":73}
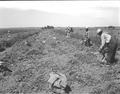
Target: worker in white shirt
{"x":58,"y":82}
{"x":108,"y":46}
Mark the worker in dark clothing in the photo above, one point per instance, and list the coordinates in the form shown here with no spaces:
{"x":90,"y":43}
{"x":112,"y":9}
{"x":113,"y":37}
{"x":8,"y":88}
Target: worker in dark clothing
{"x":108,"y":46}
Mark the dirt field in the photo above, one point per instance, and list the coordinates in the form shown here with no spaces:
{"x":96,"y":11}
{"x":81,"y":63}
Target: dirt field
{"x":31,"y":61}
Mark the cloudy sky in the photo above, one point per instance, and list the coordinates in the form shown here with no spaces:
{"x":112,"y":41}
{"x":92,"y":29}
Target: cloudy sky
{"x":59,"y":13}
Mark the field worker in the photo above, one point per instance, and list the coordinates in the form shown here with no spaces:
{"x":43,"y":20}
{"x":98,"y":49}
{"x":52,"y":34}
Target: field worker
{"x":58,"y":82}
{"x":108,"y":46}
{"x":66,"y":31}
{"x":87,"y":38}
{"x":86,"y":31}
{"x":69,"y":30}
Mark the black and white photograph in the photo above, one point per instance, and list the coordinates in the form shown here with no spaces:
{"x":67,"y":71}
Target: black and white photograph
{"x":60,"y":47}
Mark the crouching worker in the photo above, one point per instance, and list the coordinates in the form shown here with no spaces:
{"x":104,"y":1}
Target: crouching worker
{"x":4,"y":69}
{"x":108,"y":46}
{"x":58,"y":82}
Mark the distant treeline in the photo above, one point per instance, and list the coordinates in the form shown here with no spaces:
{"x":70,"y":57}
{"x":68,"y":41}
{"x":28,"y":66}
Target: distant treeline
{"x":48,"y":27}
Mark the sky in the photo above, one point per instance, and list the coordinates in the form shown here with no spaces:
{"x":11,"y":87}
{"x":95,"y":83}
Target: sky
{"x":59,"y":13}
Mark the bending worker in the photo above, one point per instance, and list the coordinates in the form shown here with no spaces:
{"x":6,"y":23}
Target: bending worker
{"x":108,"y":46}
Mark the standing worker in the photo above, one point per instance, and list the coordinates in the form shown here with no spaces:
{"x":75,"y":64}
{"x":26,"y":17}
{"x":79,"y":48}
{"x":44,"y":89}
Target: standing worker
{"x":87,"y":38}
{"x":108,"y":46}
{"x":68,"y":31}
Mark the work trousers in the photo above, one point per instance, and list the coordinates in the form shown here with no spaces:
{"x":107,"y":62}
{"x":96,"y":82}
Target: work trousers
{"x":110,"y":50}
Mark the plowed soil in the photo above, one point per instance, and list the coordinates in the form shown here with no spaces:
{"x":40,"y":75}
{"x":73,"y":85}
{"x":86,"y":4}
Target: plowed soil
{"x":31,"y":61}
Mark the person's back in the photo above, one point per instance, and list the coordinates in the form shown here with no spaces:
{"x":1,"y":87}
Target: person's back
{"x":108,"y":46}
{"x":110,"y":40}
{"x":106,"y":37}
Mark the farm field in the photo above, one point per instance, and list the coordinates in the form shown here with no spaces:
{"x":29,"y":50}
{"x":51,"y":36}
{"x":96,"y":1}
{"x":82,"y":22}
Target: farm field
{"x":31,"y":61}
